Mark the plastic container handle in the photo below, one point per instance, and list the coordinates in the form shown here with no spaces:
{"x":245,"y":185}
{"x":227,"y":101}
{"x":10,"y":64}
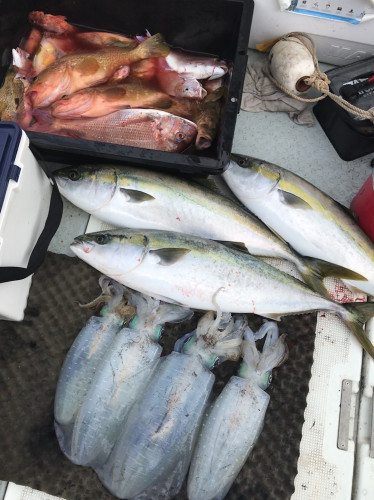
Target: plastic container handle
{"x":40,"y":249}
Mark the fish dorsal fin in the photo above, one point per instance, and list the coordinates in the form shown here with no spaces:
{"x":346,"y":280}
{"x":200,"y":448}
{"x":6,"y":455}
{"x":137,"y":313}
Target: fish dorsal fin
{"x":169,"y":256}
{"x":293,"y":201}
{"x":134,"y":196}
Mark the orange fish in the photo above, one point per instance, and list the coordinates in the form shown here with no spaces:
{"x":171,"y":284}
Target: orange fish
{"x":104,"y":99}
{"x":53,"y":24}
{"x":32,"y":43}
{"x":141,"y":128}
{"x":85,"y":69}
{"x":100,"y":39}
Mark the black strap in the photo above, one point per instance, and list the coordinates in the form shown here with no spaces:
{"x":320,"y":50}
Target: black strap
{"x":40,"y":249}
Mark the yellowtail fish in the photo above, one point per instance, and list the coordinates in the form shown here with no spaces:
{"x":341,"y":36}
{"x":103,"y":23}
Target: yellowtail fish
{"x":309,"y":220}
{"x":142,"y":199}
{"x":204,"y":274}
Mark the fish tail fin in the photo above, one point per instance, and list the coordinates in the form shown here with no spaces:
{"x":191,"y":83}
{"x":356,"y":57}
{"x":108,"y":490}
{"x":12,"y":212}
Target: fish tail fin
{"x":154,"y":46}
{"x":357,"y":314}
{"x":314,"y":271}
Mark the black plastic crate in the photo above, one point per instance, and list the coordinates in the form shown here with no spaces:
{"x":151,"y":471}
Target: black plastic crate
{"x":351,"y":138}
{"x":216,"y":27}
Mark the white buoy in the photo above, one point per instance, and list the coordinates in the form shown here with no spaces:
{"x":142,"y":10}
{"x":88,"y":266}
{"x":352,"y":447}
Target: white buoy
{"x":290,"y":63}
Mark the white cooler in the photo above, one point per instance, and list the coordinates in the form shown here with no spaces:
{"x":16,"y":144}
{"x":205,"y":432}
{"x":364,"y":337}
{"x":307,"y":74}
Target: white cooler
{"x":25,"y":197}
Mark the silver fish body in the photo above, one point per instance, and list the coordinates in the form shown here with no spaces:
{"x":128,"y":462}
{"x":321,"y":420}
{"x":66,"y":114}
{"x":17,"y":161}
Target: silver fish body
{"x":203,"y":274}
{"x":137,"y":198}
{"x":309,"y":220}
{"x":197,"y":273}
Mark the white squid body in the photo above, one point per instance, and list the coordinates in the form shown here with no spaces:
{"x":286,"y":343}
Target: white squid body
{"x":120,"y":378}
{"x":152,"y":454}
{"x":234,"y":421}
{"x":79,"y":367}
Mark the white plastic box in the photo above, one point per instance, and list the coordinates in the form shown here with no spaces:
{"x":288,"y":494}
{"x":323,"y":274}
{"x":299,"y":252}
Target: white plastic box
{"x":25,"y":193}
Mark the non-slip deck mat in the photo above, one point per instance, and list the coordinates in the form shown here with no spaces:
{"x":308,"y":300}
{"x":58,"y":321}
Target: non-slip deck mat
{"x":31,"y":355}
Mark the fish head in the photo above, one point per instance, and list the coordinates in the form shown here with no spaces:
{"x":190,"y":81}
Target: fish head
{"x":88,"y":187}
{"x":254,"y":177}
{"x":177,"y":132}
{"x":53,"y":82}
{"x":190,"y":88}
{"x":114,"y":253}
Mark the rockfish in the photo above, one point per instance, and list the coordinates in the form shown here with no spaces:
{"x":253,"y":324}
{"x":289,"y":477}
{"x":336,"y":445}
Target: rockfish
{"x":204,"y":274}
{"x":100,"y":39}
{"x":309,"y":220}
{"x":141,"y":128}
{"x":87,"y":69}
{"x":104,"y":99}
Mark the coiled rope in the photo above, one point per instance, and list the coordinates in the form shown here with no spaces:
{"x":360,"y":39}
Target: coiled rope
{"x":319,"y":81}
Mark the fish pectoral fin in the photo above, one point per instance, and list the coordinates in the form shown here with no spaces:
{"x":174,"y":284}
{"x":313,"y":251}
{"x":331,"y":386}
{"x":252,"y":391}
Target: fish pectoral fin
{"x":134,"y":196}
{"x":172,"y":301}
{"x":236,"y":245}
{"x":293,"y":201}
{"x":169,"y":256}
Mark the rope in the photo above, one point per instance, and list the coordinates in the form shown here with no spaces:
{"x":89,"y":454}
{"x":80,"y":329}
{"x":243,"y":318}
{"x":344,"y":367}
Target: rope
{"x":319,"y":81}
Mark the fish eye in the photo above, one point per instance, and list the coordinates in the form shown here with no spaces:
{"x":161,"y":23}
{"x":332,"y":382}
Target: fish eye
{"x":180,"y":136}
{"x":74,"y":175}
{"x":101,"y":239}
{"x":186,"y":90}
{"x":242,"y":162}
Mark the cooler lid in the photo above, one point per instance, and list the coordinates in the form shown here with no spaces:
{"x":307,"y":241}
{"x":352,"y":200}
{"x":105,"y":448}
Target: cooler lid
{"x":10,"y":136}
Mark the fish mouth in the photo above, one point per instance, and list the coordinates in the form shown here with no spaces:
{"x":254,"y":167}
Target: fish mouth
{"x":80,"y":247}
